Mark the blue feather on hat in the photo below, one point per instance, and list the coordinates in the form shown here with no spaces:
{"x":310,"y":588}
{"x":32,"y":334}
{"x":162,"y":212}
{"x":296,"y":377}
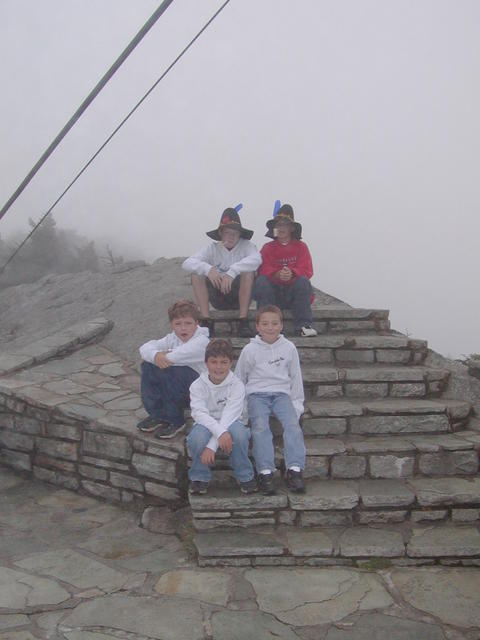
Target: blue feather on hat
{"x":276,"y":207}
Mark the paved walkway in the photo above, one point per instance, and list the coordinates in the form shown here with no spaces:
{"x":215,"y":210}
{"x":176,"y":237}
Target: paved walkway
{"x":76,"y":568}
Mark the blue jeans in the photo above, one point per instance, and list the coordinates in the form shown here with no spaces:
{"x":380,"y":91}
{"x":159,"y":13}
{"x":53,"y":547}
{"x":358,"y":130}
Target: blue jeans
{"x":165,"y":391}
{"x":260,"y":406}
{"x":197,"y":441}
{"x":294,"y":296}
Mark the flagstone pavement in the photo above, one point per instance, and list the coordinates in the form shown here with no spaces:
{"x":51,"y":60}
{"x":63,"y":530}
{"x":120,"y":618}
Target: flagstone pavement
{"x":75,"y":568}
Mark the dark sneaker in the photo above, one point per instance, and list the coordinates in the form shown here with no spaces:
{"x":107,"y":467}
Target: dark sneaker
{"x":167,"y":430}
{"x":250,"y":486}
{"x":295,"y":481}
{"x":149,"y":424}
{"x":209,"y":324}
{"x":307,"y":331}
{"x":244,"y":330}
{"x":265,"y":484}
{"x":198,"y":487}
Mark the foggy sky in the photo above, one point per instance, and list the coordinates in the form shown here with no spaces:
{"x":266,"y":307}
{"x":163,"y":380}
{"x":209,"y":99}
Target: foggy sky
{"x":363,"y":114}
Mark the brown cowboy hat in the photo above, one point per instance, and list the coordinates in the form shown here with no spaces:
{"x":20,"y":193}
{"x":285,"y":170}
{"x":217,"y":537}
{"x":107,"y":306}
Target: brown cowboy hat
{"x":284,"y":212}
{"x":230,"y":220}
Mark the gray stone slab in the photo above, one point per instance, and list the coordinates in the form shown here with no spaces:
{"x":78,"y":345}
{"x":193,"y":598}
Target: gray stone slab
{"x":393,"y":356}
{"x":452,"y":596}
{"x":448,"y":463}
{"x":385,"y":493}
{"x":408,"y":390}
{"x":334,"y":408}
{"x":363,"y":542}
{"x":128,"y":403}
{"x":386,"y":374}
{"x":324,"y":446}
{"x":207,"y":586}
{"x":305,"y":597}
{"x":433,"y":492}
{"x":324,"y":426}
{"x":238,"y":543}
{"x":10,"y":362}
{"x":113,"y":370}
{"x":403,"y":406}
{"x":376,"y":626}
{"x":66,"y":387}
{"x":233,"y":523}
{"x":382,"y":517}
{"x":393,"y":444}
{"x":433,"y":515}
{"x":74,"y":568}
{"x":12,"y":620}
{"x":366,"y":389}
{"x":444,"y":541}
{"x":390,"y":466}
{"x":235,"y":625}
{"x":326,"y":518}
{"x":219,"y":499}
{"x":142,"y":616}
{"x":19,"y":590}
{"x":14,"y":440}
{"x":81,"y":411}
{"x":364,"y":425}
{"x":348,"y":466}
{"x":41,"y":397}
{"x":105,"y":444}
{"x":154,"y":467}
{"x":325,"y":495}
{"x":310,"y":542}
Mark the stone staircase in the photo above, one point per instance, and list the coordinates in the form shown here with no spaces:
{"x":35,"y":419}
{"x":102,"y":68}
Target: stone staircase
{"x":392,"y":465}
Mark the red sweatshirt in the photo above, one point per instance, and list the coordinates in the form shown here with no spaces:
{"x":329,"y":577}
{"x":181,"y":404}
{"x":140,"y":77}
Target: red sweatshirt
{"x":294,"y":255}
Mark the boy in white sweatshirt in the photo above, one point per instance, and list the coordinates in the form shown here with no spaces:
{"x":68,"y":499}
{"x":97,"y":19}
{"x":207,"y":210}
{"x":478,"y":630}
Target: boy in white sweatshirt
{"x":169,"y":367}
{"x":269,"y":367}
{"x":223,"y":271}
{"x":217,"y":401}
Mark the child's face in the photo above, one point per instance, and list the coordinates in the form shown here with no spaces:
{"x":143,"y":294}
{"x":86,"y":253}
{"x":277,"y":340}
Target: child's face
{"x":230,"y":237}
{"x":218,"y":368}
{"x":184,"y":327}
{"x":283,"y":230}
{"x":269,"y":326}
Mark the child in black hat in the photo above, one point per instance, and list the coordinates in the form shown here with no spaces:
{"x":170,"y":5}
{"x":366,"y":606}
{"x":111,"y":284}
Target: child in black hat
{"x":284,"y":277}
{"x":223,"y":272}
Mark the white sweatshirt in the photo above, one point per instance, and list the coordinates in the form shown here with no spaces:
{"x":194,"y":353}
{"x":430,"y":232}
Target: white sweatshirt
{"x":185,"y":354}
{"x":216,"y":406}
{"x":244,"y":257}
{"x":272,"y":368}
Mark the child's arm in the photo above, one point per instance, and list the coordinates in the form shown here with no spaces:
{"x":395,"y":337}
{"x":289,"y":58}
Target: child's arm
{"x":296,"y":386}
{"x":200,"y":414}
{"x":200,"y":263}
{"x":303,"y":266}
{"x":250,"y":262}
{"x":191,"y":351}
{"x":149,"y":350}
{"x":233,"y":410}
{"x":241,"y":368}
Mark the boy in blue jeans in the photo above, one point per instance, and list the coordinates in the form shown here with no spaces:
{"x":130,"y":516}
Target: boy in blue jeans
{"x":169,"y":367}
{"x":269,"y":367}
{"x":217,"y":400}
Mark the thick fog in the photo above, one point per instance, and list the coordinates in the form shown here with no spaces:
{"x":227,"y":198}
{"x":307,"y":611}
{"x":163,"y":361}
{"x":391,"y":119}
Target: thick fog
{"x":362,"y":115}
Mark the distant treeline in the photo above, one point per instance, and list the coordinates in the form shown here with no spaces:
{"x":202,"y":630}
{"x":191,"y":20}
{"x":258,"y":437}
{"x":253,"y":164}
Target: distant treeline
{"x":50,"y":250}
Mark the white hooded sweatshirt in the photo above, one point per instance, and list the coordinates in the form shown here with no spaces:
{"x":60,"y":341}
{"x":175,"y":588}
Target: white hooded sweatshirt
{"x":244,"y":257}
{"x":216,"y":406}
{"x":183,"y":354}
{"x":272,"y":368}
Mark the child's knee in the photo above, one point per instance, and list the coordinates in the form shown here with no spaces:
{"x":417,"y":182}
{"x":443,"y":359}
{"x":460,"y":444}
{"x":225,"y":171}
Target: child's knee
{"x":240,"y":433}
{"x":197,"y":439}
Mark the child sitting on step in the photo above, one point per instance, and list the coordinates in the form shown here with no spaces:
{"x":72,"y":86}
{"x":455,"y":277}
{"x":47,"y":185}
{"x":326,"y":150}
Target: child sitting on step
{"x":269,"y":367}
{"x":169,"y":367}
{"x":217,"y":403}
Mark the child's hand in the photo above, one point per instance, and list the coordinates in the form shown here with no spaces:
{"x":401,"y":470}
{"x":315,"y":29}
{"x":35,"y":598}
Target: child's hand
{"x":226,"y":284}
{"x":208,"y":456}
{"x":161,"y":360}
{"x":215,"y":278}
{"x":225,"y":442}
{"x":285,"y":274}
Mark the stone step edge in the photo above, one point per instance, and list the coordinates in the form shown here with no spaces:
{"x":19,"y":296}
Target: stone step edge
{"x":442,"y":544}
{"x":326,"y":312}
{"x":59,"y":344}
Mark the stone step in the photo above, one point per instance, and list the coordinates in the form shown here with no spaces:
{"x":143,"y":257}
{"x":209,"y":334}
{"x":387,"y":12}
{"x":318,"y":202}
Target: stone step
{"x":344,"y":348}
{"x":364,"y":546}
{"x":379,"y":416}
{"x":373,"y":381}
{"x":341,"y":503}
{"x":326,"y":319}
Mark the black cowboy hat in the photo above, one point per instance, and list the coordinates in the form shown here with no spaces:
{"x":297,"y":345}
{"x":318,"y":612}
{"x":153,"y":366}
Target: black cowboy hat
{"x":230,"y":220}
{"x":285,"y":212}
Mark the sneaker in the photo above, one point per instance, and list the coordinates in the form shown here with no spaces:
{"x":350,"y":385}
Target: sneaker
{"x":295,"y":481}
{"x":307,"y":331}
{"x":250,"y":486}
{"x":244,"y":330}
{"x":149,"y":424}
{"x":209,"y":324}
{"x":198,"y":487}
{"x":265,"y":484}
{"x":167,"y":430}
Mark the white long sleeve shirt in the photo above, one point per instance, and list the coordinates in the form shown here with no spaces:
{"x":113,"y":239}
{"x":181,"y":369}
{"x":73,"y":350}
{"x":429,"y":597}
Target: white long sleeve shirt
{"x":272,"y":368}
{"x":217,"y":406}
{"x":244,"y":257}
{"x":184,"y":354}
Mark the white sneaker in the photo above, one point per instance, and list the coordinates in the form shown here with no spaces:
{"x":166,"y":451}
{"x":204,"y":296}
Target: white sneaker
{"x":307,"y":331}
